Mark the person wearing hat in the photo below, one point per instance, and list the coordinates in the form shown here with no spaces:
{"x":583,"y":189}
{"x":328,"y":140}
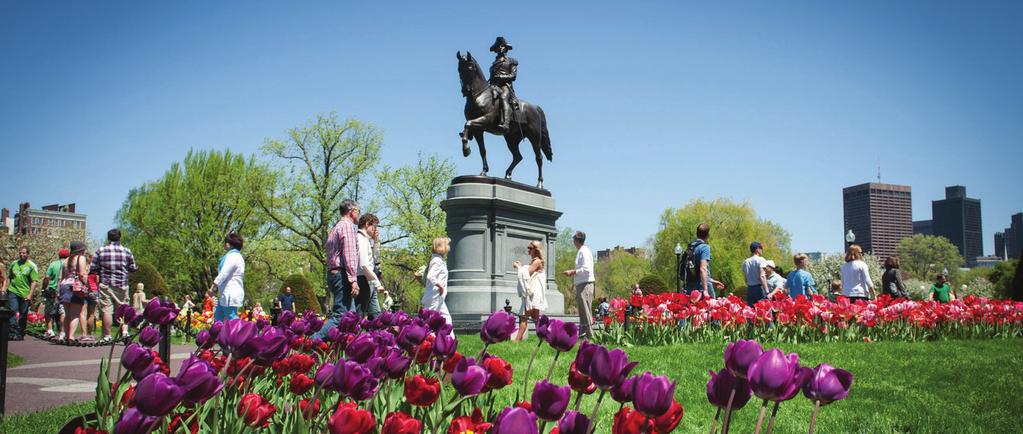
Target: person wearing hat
{"x":73,"y":287}
{"x":775,"y":281}
{"x":502,"y":73}
{"x":387,"y":302}
{"x":756,"y":275}
{"x":53,"y":311}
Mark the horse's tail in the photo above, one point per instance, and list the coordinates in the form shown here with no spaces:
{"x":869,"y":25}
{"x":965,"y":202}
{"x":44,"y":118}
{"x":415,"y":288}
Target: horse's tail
{"x":545,"y":137}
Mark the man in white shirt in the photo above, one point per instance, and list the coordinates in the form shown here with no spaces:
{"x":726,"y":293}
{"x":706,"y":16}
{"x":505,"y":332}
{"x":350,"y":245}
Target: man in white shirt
{"x":368,"y":281}
{"x":756,"y":277}
{"x":582,"y":279}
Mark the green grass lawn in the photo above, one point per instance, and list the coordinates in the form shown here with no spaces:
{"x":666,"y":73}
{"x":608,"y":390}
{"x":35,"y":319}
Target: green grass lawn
{"x":14,"y":360}
{"x":49,"y":421}
{"x":932,"y":387}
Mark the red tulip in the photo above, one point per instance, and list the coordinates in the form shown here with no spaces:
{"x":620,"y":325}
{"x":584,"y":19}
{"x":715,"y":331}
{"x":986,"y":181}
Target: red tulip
{"x":301,"y":362}
{"x":300,"y":384}
{"x":350,"y":419}
{"x":667,"y":422}
{"x":179,"y":419}
{"x":421,"y":391}
{"x":474,"y":424}
{"x":256,"y":410}
{"x":500,"y":373}
{"x":451,"y":362}
{"x":627,"y":421}
{"x":307,"y":412}
{"x":580,"y":382}
{"x":401,"y":423}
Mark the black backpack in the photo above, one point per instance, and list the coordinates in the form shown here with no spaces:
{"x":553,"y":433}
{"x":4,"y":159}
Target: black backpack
{"x":688,"y":267}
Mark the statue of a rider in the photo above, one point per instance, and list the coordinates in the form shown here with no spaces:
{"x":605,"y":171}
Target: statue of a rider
{"x":502,"y":74}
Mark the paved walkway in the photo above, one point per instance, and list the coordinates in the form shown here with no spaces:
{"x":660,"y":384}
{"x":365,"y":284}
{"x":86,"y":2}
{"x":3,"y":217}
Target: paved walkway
{"x":54,"y":375}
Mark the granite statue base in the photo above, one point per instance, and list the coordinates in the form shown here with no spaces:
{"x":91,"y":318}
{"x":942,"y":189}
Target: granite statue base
{"x":491,"y":221}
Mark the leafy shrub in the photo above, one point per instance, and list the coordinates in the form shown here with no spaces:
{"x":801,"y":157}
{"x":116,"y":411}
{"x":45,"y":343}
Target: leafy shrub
{"x":302,"y":289}
{"x":917,"y":289}
{"x":652,"y":284}
{"x":979,"y":286}
{"x":153,"y":281}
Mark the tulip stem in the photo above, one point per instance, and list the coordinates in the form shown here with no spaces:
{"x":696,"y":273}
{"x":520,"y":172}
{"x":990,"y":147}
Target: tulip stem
{"x":555,"y":362}
{"x":813,"y":417}
{"x":543,"y":425}
{"x":714,"y":422}
{"x":774,"y":412}
{"x":483,"y":351}
{"x":529,"y":367}
{"x":578,"y":400}
{"x":728,"y":411}
{"x":593,"y":416}
{"x":760,"y":420}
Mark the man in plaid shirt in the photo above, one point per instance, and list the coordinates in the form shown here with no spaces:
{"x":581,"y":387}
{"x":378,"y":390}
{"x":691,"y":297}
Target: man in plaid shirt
{"x":342,"y":261}
{"x":112,"y":262}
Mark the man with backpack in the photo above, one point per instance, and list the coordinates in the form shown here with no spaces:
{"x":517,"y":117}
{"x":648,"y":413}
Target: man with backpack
{"x":695,"y":265}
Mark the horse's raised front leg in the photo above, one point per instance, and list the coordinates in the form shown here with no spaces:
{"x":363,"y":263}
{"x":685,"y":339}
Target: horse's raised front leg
{"x":483,"y":152}
{"x":513,"y":146}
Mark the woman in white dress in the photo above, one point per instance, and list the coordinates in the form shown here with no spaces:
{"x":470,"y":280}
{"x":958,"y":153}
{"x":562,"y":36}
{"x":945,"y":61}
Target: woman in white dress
{"x":532,"y":285}
{"x":435,"y":279}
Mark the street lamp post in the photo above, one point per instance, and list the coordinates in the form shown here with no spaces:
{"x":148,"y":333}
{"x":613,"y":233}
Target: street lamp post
{"x":678,"y":272}
{"x":5,"y":315}
{"x":850,"y":238}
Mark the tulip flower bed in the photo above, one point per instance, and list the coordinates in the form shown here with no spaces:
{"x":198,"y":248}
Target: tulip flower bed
{"x":664,"y":319}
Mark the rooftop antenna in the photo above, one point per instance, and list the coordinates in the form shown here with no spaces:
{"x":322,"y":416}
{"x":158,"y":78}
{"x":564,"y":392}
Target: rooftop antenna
{"x":878,"y":170}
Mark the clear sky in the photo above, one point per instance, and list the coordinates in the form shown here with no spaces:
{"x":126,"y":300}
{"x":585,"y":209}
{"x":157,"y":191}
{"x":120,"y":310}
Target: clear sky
{"x":649,"y":104}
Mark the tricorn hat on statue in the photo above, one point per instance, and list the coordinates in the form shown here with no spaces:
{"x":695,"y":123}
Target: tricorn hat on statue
{"x":500,"y":42}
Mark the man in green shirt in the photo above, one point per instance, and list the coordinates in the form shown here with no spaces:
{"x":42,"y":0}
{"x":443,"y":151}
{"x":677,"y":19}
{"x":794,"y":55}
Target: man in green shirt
{"x":19,"y":284}
{"x":54,"y":311}
{"x":941,"y":291}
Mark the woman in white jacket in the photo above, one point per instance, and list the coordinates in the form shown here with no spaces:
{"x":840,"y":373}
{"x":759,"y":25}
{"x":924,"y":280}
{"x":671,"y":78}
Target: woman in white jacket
{"x":435,"y":279}
{"x":532,"y":287}
{"x":228,"y":284}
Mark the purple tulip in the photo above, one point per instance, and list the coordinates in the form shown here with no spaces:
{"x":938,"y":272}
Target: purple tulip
{"x":515,"y":420}
{"x":353,"y":380}
{"x":160,"y":312}
{"x":433,"y":319}
{"x":777,"y":377}
{"x":623,"y":392}
{"x":362,"y":348}
{"x":136,"y":358}
{"x":720,"y":387}
{"x":299,"y":327}
{"x":235,"y":337}
{"x":262,"y":323}
{"x":332,"y":335}
{"x":541,"y":327}
{"x":216,"y":328}
{"x":132,"y":421}
{"x":157,"y":394}
{"x":270,"y":346}
{"x":562,"y":336}
{"x":740,"y":355}
{"x":325,"y":376}
{"x":469,"y":378}
{"x":396,"y":363}
{"x":125,"y":314}
{"x":198,"y":380}
{"x":550,"y":401}
{"x":609,"y":368}
{"x":204,"y":340}
{"x":384,"y":320}
{"x":445,"y":344}
{"x":285,"y":318}
{"x":413,"y":334}
{"x":584,"y":356}
{"x":314,"y":321}
{"x":498,"y":327}
{"x":375,"y":365}
{"x":653,"y":394}
{"x":574,"y":422}
{"x":349,"y":322}
{"x":150,"y":336}
{"x":827,"y":384}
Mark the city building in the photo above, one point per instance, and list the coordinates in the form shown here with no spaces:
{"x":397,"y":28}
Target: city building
{"x":1000,"y":245}
{"x":603,"y":255}
{"x":42,"y":221}
{"x":1013,"y":237}
{"x":957,"y":218}
{"x":987,"y":261}
{"x":923,"y":227}
{"x":879,"y":215}
{"x":817,"y":256}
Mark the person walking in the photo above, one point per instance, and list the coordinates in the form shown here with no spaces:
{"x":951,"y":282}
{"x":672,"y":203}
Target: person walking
{"x":532,"y":287}
{"x":53,"y":310}
{"x":367,"y":280}
{"x":435,"y":279}
{"x":342,"y":264}
{"x":941,"y":291}
{"x":286,"y":300}
{"x":697,"y":263}
{"x":229,"y":285}
{"x":856,"y":282}
{"x":756,"y":275}
{"x":113,"y":262}
{"x":138,"y":299}
{"x":800,"y":282}
{"x":583,"y":280}
{"x":891,"y":280}
{"x":73,"y":290}
{"x":19,"y":284}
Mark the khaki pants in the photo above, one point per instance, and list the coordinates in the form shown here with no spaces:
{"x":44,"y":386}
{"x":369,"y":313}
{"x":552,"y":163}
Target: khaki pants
{"x":110,"y":297}
{"x":584,"y":302}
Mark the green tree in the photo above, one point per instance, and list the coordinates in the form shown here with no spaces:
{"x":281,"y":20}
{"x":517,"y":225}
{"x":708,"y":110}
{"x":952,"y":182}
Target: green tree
{"x":925,"y":256}
{"x":42,"y":249}
{"x":828,"y":268}
{"x":178,"y":222}
{"x":153,"y":281}
{"x":564,"y":259}
{"x":733,"y":226}
{"x":616,"y":275}
{"x":302,"y":289}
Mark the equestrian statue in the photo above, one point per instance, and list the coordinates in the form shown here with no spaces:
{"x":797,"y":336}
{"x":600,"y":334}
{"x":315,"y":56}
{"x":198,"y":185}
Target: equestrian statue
{"x":491,"y":106}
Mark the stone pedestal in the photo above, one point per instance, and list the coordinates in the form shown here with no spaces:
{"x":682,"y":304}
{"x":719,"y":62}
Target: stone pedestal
{"x":491,"y":221}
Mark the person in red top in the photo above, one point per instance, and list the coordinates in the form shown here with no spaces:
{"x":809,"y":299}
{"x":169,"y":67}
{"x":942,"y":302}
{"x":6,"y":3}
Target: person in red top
{"x":342,"y":263}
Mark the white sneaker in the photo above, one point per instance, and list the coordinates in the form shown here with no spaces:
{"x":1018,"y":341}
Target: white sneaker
{"x":48,"y":334}
{"x":60,"y":337}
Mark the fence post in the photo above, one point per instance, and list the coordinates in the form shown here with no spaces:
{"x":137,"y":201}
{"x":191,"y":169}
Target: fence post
{"x":188,"y":323}
{"x":5,"y":317}
{"x":164,"y":347}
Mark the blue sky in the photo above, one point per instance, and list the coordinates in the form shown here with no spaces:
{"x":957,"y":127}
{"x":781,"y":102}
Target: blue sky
{"x":649,"y":104}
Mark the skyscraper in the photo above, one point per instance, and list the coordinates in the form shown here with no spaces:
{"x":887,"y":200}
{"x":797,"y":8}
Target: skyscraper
{"x":1000,"y":245}
{"x":879,"y":215}
{"x":957,"y":218}
{"x":1013,"y":236}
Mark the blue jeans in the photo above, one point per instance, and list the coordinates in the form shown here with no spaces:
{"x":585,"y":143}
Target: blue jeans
{"x":754,"y":293}
{"x":341,"y":291}
{"x":17,"y":323}
{"x":224,"y":313}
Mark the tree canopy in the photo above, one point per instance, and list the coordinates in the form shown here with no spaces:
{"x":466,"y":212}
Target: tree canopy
{"x":926,"y":256}
{"x":616,"y":275}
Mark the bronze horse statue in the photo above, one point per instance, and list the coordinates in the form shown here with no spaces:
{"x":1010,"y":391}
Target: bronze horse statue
{"x":481,"y":115}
